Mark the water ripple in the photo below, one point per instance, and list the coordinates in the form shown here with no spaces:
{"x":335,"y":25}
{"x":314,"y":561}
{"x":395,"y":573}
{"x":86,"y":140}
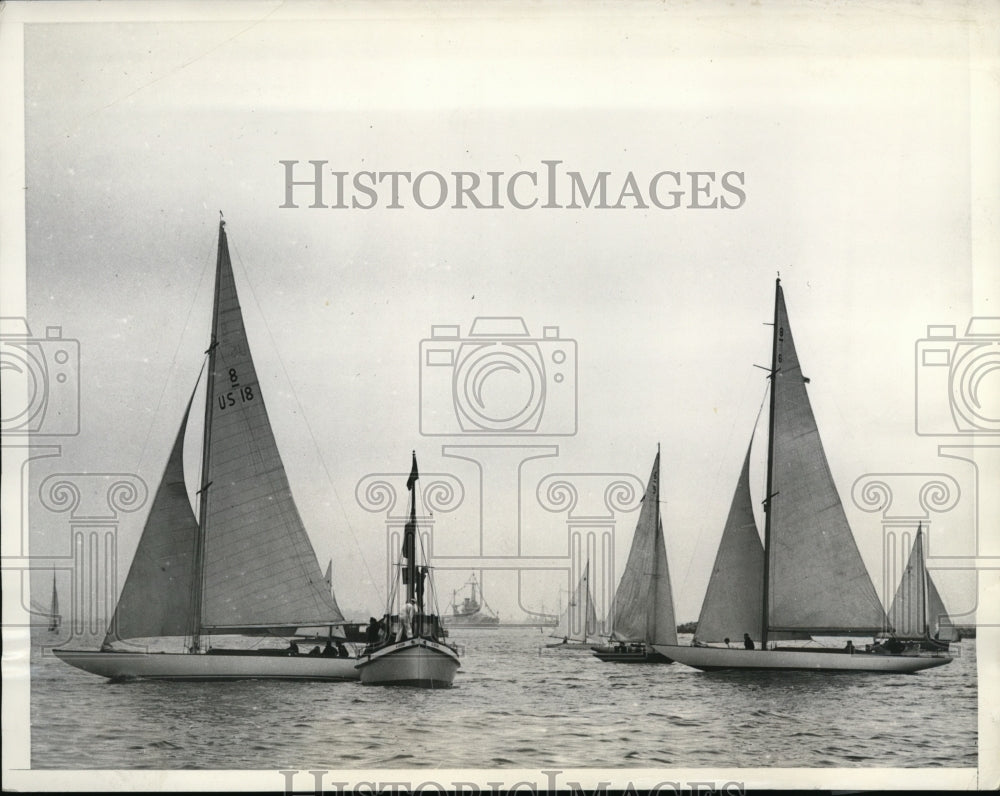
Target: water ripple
{"x":514,"y":708}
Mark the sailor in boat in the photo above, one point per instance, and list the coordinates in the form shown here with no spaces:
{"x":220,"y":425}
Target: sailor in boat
{"x":371,"y":635}
{"x":293,"y":648}
{"x":406,"y":625}
{"x":747,"y":641}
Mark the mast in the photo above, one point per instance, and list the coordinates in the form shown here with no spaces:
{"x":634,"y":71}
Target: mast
{"x":656,"y":539}
{"x":778,"y":335}
{"x":198,"y":579}
{"x":923,"y":583}
{"x":410,"y":534}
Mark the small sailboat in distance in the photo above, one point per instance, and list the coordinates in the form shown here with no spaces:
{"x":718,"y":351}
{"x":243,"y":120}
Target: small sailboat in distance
{"x":918,"y":613}
{"x":643,"y":610}
{"x":244,"y":565}
{"x":813,"y":581}
{"x":411,"y":649}
{"x":577,"y":627}
{"x":55,"y":619}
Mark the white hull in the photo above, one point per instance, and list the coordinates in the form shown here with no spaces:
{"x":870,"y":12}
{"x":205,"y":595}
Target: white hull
{"x":184,"y":666}
{"x":415,"y":662}
{"x":721,"y":658}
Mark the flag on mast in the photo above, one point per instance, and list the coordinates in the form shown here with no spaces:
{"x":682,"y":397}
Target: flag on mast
{"x":410,"y":532}
{"x":414,"y":475}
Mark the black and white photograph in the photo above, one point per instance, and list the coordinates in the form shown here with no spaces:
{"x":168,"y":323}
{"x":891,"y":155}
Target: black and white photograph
{"x":525,"y":396}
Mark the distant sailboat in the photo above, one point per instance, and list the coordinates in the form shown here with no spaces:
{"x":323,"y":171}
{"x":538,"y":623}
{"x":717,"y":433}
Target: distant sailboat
{"x":812,"y":579}
{"x":333,"y":633}
{"x":55,"y":619}
{"x":413,"y":652}
{"x":643,"y":610}
{"x":245,"y":565}
{"x":577,"y":627}
{"x":918,"y":613}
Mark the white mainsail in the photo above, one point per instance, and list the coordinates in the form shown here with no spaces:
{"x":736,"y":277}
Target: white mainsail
{"x":579,"y":621}
{"x":816,"y":579}
{"x":259,"y":567}
{"x":644,"y":607}
{"x":917,"y":610}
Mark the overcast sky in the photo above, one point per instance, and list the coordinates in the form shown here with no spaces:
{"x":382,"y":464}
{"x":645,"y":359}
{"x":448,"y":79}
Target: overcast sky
{"x":854,"y":134}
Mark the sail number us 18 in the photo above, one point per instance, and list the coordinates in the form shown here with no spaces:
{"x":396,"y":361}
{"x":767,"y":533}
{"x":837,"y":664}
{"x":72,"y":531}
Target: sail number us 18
{"x":236,"y":393}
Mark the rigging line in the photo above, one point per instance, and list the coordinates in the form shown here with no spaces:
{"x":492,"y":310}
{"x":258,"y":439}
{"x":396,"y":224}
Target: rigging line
{"x":302,"y":413}
{"x":423,"y":554}
{"x":209,"y":261}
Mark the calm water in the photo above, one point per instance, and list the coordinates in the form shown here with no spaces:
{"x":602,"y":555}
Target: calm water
{"x":514,"y":704}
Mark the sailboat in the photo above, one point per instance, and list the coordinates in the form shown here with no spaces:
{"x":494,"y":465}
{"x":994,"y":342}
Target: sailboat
{"x":643,"y":610}
{"x":812,"y":579}
{"x":411,"y":649}
{"x":918,"y":613}
{"x":55,"y":619}
{"x":244,"y":565}
{"x":577,"y":626}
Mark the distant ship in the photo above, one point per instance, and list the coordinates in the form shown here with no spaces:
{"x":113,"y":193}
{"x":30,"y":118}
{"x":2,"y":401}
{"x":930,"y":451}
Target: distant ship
{"x":470,"y":613}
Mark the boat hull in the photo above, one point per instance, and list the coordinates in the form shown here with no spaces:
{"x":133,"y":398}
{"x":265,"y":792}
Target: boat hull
{"x":571,"y":646}
{"x":611,"y":655}
{"x":710,"y":659}
{"x":122,"y":666}
{"x":417,"y":662}
{"x":934,"y":645}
